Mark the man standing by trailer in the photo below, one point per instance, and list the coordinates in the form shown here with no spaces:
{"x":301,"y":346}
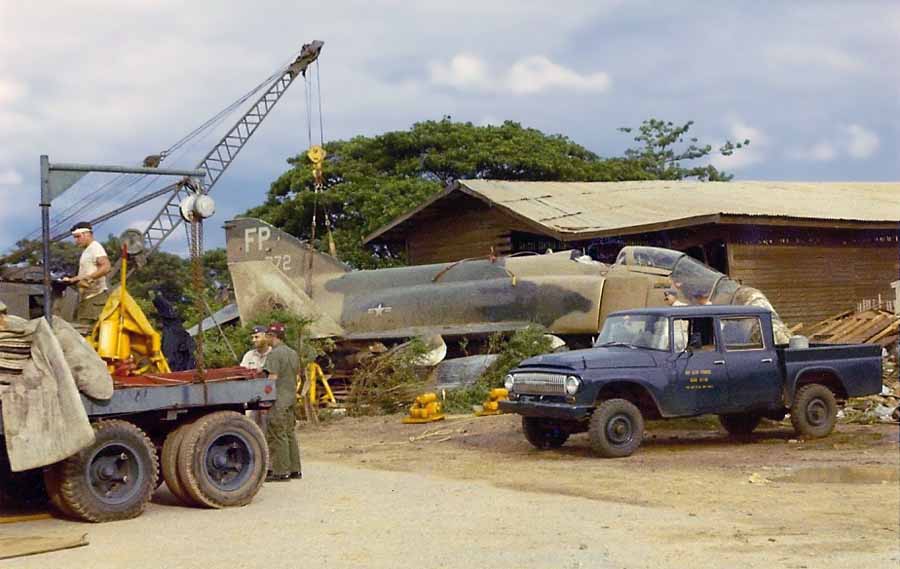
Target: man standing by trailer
{"x":93,"y":267}
{"x":283,"y":364}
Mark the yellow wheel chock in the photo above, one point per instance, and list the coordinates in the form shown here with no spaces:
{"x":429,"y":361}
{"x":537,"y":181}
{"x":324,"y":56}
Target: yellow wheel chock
{"x":426,"y":409}
{"x":492,"y":405}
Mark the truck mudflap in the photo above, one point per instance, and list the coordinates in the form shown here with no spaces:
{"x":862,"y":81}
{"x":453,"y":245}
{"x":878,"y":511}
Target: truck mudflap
{"x":548,"y":410}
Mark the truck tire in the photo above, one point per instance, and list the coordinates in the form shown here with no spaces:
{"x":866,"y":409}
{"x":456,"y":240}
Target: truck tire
{"x":114,"y":478}
{"x":616,"y":428}
{"x":543,"y":434}
{"x":739,"y":424}
{"x":169,"y":460}
{"x":223,"y":459}
{"x":814,"y":411}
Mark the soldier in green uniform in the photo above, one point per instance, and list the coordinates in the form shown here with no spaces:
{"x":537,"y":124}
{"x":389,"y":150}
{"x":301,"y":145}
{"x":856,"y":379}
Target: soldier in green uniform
{"x":282,"y":363}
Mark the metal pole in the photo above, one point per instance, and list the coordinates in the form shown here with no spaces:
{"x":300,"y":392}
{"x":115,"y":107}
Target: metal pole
{"x":45,"y":235}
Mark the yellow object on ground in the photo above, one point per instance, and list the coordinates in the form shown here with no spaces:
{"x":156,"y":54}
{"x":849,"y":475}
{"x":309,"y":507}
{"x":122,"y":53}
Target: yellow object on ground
{"x":315,"y":375}
{"x":426,"y":409}
{"x":492,"y":405}
{"x":123,"y":334}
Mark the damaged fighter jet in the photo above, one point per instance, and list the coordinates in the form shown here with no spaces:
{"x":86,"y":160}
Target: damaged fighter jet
{"x":567,"y":293}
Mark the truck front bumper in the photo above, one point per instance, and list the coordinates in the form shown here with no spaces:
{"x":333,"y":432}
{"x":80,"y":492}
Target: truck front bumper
{"x":547,"y":409}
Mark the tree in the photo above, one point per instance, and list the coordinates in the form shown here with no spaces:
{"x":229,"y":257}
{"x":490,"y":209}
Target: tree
{"x":371,"y":180}
{"x":659,"y":156}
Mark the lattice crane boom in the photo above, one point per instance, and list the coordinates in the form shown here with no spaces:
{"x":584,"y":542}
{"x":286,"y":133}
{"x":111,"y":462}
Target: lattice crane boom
{"x":223,"y":154}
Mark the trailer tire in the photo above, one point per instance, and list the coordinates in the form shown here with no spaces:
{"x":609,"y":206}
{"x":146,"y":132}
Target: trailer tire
{"x":543,"y":434}
{"x":814,"y":411}
{"x":223,"y":460}
{"x":616,"y":428}
{"x":739,"y":424}
{"x":114,"y":478}
{"x":169,"y":462}
{"x":53,"y":485}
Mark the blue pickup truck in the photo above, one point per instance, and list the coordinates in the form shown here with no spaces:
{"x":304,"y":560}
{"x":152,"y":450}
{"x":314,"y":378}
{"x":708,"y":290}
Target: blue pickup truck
{"x":662,"y":363}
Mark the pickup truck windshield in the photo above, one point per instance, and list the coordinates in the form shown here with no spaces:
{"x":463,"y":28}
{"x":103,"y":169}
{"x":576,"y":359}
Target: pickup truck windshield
{"x":638,"y":331}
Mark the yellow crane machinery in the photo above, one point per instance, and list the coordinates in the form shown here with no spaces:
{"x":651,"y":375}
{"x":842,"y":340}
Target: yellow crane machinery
{"x":124,"y":337}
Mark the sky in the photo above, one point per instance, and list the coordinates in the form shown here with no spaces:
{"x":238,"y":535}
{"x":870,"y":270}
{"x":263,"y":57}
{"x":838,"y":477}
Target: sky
{"x":815,"y":86}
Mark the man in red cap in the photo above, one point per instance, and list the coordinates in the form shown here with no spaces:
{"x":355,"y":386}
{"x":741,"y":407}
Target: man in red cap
{"x":283,"y":364}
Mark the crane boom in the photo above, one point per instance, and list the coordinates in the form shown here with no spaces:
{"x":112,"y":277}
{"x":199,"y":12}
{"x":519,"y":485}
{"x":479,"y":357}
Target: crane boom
{"x":223,"y":154}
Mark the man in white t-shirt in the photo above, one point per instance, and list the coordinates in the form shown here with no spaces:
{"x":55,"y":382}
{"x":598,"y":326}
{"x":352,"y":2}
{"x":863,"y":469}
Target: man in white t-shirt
{"x":93,"y":267}
{"x":256,"y":358}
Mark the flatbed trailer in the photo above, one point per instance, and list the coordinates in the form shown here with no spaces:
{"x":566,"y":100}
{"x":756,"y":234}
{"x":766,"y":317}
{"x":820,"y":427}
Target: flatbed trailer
{"x":191,"y":433}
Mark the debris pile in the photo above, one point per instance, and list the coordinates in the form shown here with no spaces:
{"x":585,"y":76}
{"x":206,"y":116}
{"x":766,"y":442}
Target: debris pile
{"x":15,"y":345}
{"x":874,"y":326}
{"x":881,"y":408}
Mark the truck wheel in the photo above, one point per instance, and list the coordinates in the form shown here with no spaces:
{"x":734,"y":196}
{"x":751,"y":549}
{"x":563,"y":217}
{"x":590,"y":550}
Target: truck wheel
{"x":223,"y":459}
{"x":739,"y":424}
{"x":814,"y":411}
{"x":114,"y":478}
{"x":169,"y":460}
{"x":543,"y":434}
{"x":616,"y":428}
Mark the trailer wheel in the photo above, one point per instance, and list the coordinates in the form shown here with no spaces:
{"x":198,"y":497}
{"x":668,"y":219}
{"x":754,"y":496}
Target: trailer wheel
{"x":739,"y":424}
{"x":169,"y":461}
{"x":616,"y":428}
{"x":223,"y":460}
{"x":543,"y":434}
{"x":114,"y":478}
{"x":814,"y":411}
{"x":53,"y":485}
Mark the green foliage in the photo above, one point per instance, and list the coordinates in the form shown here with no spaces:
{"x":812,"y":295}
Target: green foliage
{"x":372,"y":180}
{"x":661,"y":157}
{"x":217,"y":353}
{"x":389,"y":382}
{"x":523,"y":344}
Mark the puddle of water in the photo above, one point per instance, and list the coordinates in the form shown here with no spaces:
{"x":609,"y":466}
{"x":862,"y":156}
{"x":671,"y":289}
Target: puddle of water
{"x":843,"y":475}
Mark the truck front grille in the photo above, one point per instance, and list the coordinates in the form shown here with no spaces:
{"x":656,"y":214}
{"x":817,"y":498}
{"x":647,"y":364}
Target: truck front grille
{"x":540,"y":383}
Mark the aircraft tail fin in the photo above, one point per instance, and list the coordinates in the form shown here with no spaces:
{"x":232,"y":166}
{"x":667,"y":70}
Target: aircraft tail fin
{"x":259,"y":286}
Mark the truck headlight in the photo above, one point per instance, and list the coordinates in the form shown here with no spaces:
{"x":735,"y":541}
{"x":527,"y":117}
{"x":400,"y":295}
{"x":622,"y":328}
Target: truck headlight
{"x":509,"y":381}
{"x":573,"y":384}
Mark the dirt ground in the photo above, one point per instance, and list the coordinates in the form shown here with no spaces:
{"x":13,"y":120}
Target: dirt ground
{"x":470,"y":492}
{"x":773,"y":501}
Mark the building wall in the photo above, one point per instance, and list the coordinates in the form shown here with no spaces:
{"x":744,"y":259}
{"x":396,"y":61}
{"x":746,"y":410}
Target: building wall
{"x":460,"y":229}
{"x":809,"y":283}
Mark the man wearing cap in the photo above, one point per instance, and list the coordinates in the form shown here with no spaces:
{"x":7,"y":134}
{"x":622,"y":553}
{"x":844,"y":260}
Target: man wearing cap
{"x":670,"y":295}
{"x":282,"y":363}
{"x":91,"y":280}
{"x":256,"y":357}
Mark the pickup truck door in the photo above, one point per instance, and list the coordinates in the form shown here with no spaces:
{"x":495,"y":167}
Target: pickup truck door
{"x":753,"y":375}
{"x":699,"y":380}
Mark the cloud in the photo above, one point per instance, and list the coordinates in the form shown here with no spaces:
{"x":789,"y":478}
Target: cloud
{"x":11,"y":91}
{"x":754,"y":153}
{"x":526,"y":76}
{"x":862,"y":143}
{"x":10,"y":177}
{"x":806,"y":56}
{"x":853,"y":140}
{"x":822,"y":151}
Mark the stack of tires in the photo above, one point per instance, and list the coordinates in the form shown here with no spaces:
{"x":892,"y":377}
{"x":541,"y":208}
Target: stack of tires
{"x":217,"y":460}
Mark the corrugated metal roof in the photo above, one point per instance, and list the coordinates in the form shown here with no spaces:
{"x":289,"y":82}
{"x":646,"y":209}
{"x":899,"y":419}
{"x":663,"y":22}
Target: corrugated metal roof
{"x":567,"y":208}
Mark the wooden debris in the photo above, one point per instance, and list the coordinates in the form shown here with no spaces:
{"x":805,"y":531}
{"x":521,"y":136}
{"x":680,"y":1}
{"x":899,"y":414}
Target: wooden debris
{"x":873,"y":326}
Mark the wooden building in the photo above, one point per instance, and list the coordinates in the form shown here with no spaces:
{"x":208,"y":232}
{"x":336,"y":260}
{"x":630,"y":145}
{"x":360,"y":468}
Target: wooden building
{"x":814,"y":249}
